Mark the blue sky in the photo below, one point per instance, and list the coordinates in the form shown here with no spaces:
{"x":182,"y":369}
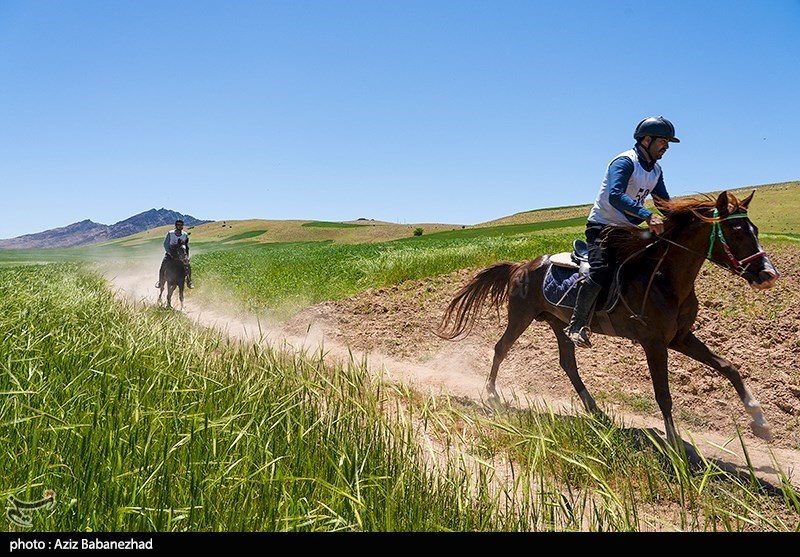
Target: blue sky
{"x":410,"y":111}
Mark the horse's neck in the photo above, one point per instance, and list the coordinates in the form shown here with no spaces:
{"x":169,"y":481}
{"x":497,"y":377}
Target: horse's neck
{"x":684,"y":258}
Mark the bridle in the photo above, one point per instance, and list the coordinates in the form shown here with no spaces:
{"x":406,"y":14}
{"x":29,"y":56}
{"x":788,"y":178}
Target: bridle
{"x":178,"y":253}
{"x":738,"y":266}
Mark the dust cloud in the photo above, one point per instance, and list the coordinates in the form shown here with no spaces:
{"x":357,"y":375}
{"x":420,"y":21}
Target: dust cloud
{"x":455,"y":370}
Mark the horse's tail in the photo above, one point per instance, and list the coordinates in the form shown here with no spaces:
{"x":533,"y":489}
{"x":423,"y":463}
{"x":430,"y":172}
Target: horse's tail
{"x":492,"y":283}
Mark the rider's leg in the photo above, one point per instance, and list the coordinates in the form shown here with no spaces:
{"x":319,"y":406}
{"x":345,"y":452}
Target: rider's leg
{"x":578,"y":329}
{"x":189,"y":275}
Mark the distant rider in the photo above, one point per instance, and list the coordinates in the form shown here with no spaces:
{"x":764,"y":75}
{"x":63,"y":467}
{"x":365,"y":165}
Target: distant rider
{"x":175,"y":237}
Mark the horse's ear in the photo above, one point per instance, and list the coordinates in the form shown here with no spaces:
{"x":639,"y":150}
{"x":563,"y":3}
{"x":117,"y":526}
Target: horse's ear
{"x":746,"y":201}
{"x":723,"y":205}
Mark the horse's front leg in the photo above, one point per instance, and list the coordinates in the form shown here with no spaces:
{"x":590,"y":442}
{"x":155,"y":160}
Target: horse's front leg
{"x":656,"y":353}
{"x":180,"y":295}
{"x":566,"y":359}
{"x":693,"y":347}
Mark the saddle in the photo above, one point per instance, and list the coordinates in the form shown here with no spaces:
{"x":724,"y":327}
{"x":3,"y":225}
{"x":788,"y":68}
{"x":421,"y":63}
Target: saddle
{"x":567,"y":271}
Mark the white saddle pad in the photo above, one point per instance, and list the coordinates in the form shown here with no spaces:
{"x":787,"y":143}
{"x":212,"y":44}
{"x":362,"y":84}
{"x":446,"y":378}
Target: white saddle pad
{"x":563,"y":259}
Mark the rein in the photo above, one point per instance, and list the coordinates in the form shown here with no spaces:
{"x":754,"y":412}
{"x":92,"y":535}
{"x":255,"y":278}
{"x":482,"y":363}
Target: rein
{"x":640,"y":316}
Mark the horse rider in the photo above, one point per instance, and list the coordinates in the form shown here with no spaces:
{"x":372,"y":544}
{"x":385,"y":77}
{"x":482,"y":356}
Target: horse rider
{"x":175,"y":237}
{"x":630,"y":178}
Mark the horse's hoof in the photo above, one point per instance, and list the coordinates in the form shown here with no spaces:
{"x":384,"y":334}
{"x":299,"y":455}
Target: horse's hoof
{"x":761,"y":430}
{"x":493,"y":400}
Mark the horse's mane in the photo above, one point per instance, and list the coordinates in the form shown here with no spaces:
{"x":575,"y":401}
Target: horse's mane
{"x":624,"y":242}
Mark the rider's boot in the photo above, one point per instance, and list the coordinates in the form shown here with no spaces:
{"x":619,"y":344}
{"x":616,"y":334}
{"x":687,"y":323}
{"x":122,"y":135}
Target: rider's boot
{"x":578,"y":330}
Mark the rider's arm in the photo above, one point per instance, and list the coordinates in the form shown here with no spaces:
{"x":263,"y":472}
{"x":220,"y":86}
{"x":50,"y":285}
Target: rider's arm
{"x":166,"y":243}
{"x":619,"y":173}
{"x":660,"y":191}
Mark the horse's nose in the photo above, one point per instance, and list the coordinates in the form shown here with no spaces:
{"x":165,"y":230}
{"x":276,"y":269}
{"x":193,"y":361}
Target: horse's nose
{"x":767,"y":277}
{"x":770,"y":269}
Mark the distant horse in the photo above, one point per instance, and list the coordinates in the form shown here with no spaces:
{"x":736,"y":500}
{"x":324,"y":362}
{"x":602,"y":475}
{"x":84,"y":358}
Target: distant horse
{"x":175,"y":273}
{"x":655,"y":284}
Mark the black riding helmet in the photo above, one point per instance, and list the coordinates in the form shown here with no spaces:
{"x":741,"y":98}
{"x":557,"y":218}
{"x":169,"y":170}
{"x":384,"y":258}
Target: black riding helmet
{"x":656,"y":126}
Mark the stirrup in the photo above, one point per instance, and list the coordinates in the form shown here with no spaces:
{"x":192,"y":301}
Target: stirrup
{"x":158,"y":284}
{"x":580,"y":337}
{"x":189,"y":284}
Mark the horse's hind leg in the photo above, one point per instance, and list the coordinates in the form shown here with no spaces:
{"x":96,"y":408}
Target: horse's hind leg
{"x":693,"y":347}
{"x":520,"y":316}
{"x":566,"y":358}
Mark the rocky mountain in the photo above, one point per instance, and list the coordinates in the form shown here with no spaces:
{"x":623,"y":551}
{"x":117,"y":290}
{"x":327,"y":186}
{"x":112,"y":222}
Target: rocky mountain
{"x":89,"y":232}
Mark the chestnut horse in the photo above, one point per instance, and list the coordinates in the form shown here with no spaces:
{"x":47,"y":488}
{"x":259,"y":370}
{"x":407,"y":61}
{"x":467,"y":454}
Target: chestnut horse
{"x":655,"y":283}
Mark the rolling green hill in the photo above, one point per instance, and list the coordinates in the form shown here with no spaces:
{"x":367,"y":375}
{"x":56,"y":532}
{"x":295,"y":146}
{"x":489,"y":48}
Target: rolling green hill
{"x":775,"y":208}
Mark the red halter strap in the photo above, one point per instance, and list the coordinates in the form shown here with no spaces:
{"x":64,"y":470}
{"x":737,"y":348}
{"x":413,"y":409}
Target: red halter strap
{"x":739,"y":265}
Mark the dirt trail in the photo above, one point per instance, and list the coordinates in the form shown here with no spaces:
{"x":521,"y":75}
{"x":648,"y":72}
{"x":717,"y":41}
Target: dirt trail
{"x":391,"y":329}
